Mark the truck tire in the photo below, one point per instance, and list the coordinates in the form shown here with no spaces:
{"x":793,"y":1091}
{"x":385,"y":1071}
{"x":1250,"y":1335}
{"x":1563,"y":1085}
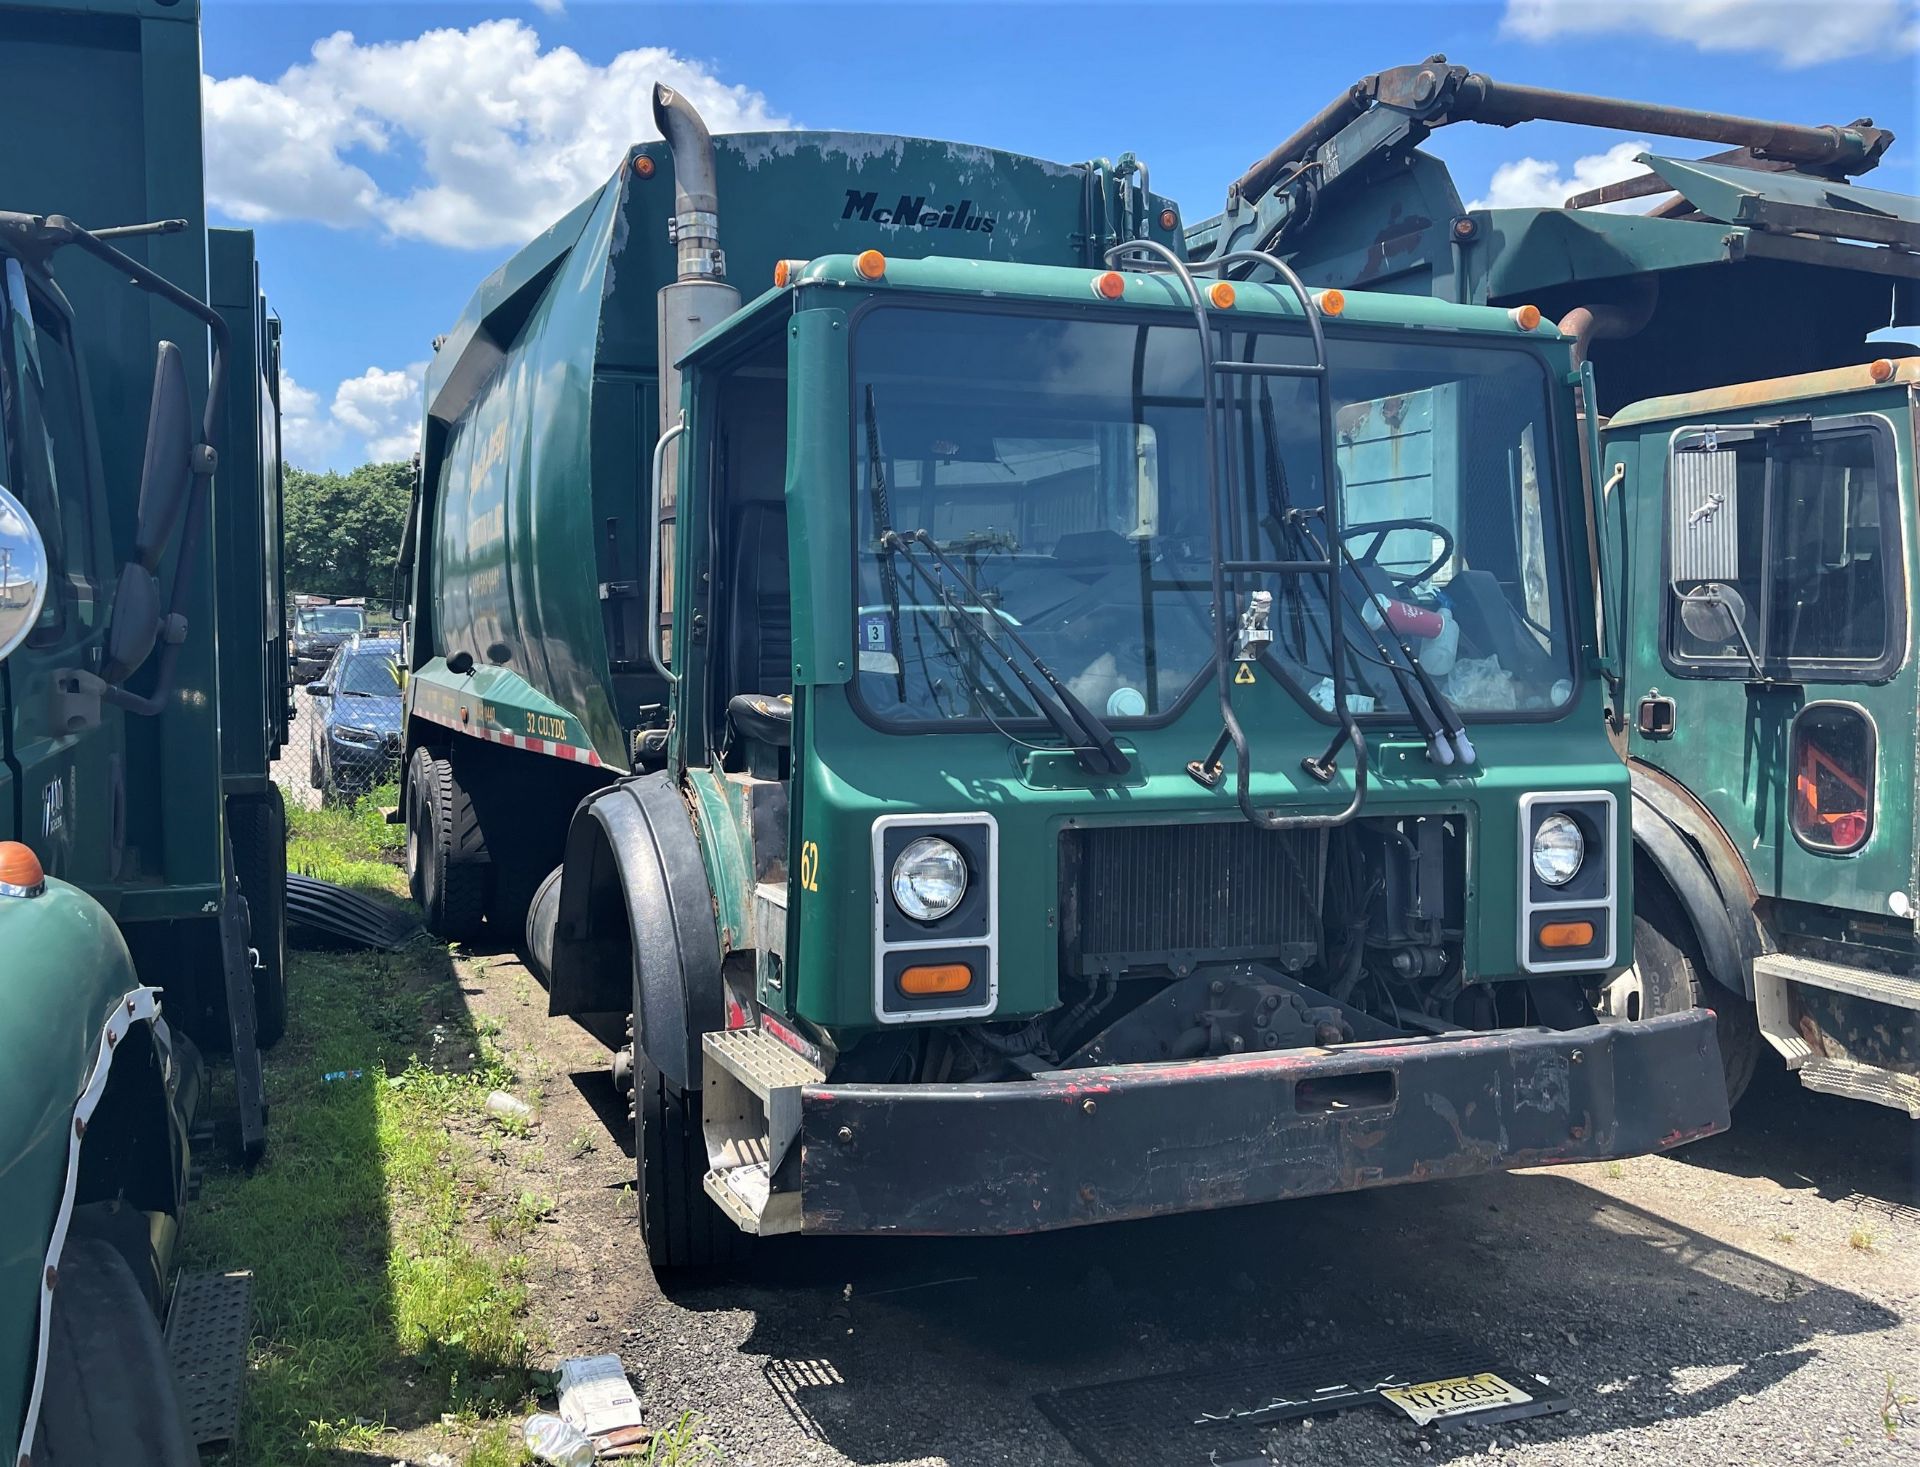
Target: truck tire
{"x":684,"y":1232}
{"x":446,"y":852}
{"x":258,"y":825}
{"x":109,"y":1393}
{"x":543,"y":918}
{"x":1672,"y":979}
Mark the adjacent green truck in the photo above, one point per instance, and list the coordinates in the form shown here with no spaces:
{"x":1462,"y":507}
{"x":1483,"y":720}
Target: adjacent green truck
{"x":142,"y":697}
{"x":1758,"y":467}
{"x":1007,"y":729}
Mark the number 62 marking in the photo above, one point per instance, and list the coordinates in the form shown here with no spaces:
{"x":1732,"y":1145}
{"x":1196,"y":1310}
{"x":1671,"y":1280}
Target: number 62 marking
{"x":810,"y":866}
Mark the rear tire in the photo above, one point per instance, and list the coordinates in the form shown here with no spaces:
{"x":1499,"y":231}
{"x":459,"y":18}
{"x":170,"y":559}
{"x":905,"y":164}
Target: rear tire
{"x":446,"y":851}
{"x":258,"y":825}
{"x":543,"y":921}
{"x":109,"y":1392}
{"x":1673,"y":980}
{"x":684,"y":1232}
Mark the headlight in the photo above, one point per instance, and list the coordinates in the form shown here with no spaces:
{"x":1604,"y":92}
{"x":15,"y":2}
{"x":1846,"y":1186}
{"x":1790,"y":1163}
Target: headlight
{"x":350,"y":735}
{"x":929,"y":878}
{"x":1558,"y":850}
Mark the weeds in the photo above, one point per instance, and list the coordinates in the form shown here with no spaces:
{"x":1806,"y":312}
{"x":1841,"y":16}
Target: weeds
{"x":582,"y":1143}
{"x":1861,"y":1240}
{"x":1898,"y":1409}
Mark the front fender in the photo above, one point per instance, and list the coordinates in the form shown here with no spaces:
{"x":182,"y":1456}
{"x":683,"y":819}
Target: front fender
{"x":66,"y":984}
{"x":1704,"y":871}
{"x":637,"y":928}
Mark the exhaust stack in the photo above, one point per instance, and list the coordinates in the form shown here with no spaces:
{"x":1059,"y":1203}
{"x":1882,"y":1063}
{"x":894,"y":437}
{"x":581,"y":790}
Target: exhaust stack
{"x":700,"y":298}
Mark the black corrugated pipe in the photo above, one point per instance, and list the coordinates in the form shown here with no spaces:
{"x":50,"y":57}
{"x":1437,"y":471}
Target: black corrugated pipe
{"x":1611,"y":321}
{"x":696,"y":201}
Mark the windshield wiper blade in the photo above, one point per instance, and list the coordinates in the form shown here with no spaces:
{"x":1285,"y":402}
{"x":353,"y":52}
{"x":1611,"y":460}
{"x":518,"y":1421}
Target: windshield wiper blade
{"x":1092,"y":741}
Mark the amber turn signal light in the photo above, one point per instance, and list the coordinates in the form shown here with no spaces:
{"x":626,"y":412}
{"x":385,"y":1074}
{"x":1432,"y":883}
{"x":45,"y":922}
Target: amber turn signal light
{"x":1525,"y":317}
{"x":936,"y":978}
{"x":20,"y":871}
{"x":1110,"y":286}
{"x":643,"y":167}
{"x":871,"y":264}
{"x":1168,"y":218}
{"x":1566,"y":934}
{"x":1881,"y":370}
{"x":1331,"y":302}
{"x":785,"y":270}
{"x":1221,"y":294}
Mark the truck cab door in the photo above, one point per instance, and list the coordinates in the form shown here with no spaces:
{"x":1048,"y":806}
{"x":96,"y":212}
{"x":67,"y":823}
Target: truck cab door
{"x":1782,"y":695}
{"x":65,"y":773}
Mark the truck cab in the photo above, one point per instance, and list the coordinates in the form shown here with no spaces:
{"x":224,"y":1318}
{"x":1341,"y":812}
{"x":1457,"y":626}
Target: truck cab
{"x":1767,"y":626}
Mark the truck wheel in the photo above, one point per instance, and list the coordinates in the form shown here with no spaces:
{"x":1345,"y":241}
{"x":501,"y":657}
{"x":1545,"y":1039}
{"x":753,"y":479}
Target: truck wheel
{"x":446,"y":852}
{"x":1668,"y":978}
{"x":543,"y":919}
{"x":683,"y":1230}
{"x":109,"y":1394}
{"x":258,"y":825}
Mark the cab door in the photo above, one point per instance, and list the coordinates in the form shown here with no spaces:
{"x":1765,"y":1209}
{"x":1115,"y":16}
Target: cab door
{"x":1786,"y":699}
{"x":65,"y":771}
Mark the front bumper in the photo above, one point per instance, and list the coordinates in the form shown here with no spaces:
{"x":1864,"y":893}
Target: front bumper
{"x":1100,"y":1145}
{"x":358,"y":768}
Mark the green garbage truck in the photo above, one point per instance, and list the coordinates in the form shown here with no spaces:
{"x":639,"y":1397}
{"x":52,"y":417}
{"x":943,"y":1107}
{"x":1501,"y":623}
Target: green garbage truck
{"x":1006,"y":730}
{"x":1731,"y":308}
{"x":142,"y":697}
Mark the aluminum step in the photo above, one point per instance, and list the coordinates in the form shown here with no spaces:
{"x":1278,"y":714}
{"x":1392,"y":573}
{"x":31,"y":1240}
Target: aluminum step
{"x":209,"y":1327}
{"x":750,"y":1113}
{"x":1870,"y":983}
{"x":1856,"y":1081}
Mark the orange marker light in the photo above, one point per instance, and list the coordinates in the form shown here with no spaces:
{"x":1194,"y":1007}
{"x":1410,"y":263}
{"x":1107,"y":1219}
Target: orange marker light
{"x":1331,"y":302}
{"x":643,"y":167}
{"x":1221,"y":294}
{"x":20,"y":870}
{"x":1525,"y":317}
{"x":1110,"y":286}
{"x":937,"y":978}
{"x":871,"y":264}
{"x":1168,"y":218}
{"x":1881,"y":370}
{"x":1566,"y":934}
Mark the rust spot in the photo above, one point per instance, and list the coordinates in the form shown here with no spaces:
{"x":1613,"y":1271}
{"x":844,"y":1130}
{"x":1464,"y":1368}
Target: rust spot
{"x":79,"y":1126}
{"x":53,"y":1275}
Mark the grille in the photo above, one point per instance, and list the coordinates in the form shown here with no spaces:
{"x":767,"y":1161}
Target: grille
{"x":1138,"y":896}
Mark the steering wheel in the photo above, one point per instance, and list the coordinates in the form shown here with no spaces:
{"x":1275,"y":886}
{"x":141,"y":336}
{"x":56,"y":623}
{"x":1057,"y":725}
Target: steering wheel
{"x":1380,"y":529}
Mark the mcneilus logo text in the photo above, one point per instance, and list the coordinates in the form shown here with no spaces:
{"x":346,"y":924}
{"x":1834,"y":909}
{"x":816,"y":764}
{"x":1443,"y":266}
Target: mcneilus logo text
{"x":915,"y":212}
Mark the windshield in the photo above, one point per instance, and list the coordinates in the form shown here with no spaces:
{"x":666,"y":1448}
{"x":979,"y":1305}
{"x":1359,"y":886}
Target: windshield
{"x":370,"y":672}
{"x":1060,"y":465}
{"x":332,"y":620}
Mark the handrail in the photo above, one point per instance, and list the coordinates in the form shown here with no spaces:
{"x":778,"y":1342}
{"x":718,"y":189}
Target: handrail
{"x":655,"y":520}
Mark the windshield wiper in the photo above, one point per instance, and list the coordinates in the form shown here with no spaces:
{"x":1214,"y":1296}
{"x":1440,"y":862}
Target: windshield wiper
{"x":1091,"y":740}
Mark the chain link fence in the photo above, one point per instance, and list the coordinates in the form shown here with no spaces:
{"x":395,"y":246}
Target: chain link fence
{"x":344,"y":721}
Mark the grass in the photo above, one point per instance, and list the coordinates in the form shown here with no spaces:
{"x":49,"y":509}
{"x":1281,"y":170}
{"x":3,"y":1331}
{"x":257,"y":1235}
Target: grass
{"x":1898,"y":1409}
{"x":1861,"y":1240}
{"x":380,"y":1300}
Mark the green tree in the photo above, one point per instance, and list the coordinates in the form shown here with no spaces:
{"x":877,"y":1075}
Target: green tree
{"x":343,"y":530}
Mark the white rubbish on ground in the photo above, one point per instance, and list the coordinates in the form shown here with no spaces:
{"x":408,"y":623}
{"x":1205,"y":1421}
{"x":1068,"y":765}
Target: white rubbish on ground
{"x":595,"y":1395}
{"x":553,"y":1440}
{"x":508,"y":1107}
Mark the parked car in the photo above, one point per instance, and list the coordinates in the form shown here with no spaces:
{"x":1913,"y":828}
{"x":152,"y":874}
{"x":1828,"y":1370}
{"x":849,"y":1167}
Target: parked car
{"x":318,"y":632}
{"x":355,"y":743}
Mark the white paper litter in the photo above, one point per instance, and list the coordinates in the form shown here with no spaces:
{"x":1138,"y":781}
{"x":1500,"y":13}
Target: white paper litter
{"x":595,"y":1396}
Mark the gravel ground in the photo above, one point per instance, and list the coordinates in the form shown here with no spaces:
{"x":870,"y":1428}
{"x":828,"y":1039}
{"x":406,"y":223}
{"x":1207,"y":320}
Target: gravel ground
{"x":1744,"y":1301}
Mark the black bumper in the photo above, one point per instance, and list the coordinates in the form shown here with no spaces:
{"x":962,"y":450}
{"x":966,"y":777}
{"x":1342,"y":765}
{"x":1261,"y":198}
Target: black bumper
{"x":1087,"y":1146}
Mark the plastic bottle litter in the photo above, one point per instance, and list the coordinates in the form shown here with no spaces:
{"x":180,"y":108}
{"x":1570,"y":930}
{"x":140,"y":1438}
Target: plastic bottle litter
{"x":333,"y":1075}
{"x":509,"y":1108}
{"x":552,"y":1440}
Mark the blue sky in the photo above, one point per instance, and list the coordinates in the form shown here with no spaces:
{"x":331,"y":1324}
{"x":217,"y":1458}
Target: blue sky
{"x":390,"y":155}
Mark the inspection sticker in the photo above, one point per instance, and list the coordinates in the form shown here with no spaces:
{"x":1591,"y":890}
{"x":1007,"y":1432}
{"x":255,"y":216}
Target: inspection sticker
{"x":1458,"y":1396}
{"x":876,"y":644}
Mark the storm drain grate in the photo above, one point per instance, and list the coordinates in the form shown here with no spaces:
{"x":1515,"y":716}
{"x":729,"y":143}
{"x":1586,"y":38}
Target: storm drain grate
{"x":208,"y":1329}
{"x":1222,"y":1417}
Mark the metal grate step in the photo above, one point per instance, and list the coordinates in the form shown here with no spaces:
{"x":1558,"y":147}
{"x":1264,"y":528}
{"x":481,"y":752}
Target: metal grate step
{"x":762,"y":1063}
{"x":208,"y":1329}
{"x":1869,"y":983}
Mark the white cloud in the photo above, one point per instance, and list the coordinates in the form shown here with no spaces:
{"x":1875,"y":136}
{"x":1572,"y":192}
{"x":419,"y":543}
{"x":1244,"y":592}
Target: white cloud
{"x":498,"y":136}
{"x":1534,"y":183}
{"x":1797,"y":32}
{"x":550,"y":7}
{"x":373,"y":418}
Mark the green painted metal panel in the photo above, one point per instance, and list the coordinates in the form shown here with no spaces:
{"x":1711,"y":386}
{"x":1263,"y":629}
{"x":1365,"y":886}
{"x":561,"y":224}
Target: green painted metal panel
{"x":66,"y":969}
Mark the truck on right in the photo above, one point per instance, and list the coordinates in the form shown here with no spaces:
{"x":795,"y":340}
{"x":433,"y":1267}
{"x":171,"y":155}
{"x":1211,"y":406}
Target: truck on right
{"x":1751,"y":445}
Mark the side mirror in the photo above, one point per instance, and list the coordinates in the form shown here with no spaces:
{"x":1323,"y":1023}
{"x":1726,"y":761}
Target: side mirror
{"x":23,"y":573}
{"x":166,"y":478}
{"x":315,"y":690}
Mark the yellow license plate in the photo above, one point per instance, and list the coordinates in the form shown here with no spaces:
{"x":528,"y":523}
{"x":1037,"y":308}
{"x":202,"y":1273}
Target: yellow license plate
{"x":1456,"y":1397}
